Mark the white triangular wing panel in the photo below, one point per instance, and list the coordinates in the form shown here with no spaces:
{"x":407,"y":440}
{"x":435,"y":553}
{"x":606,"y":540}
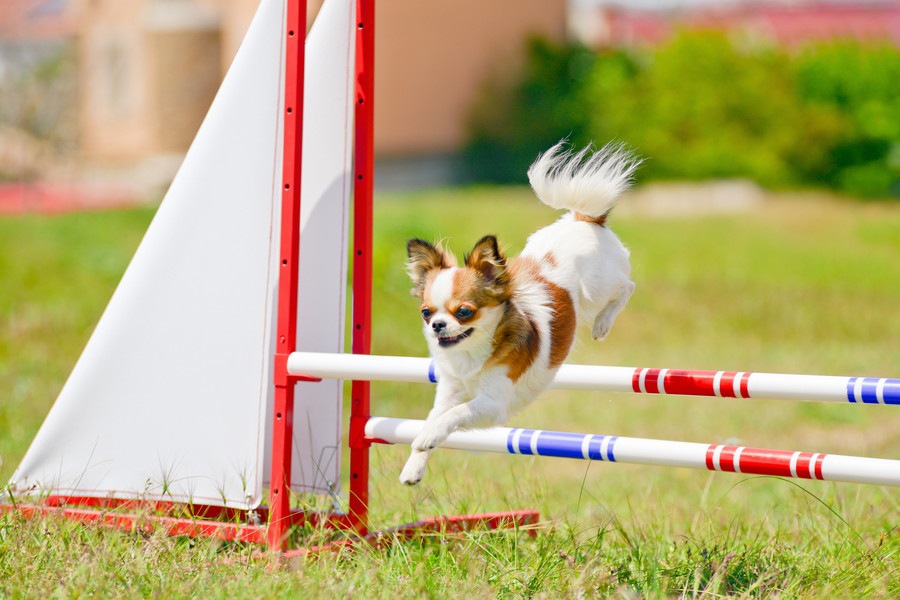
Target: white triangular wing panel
{"x":169,"y":399}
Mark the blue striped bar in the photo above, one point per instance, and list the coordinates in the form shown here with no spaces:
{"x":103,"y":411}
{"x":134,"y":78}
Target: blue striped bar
{"x":431,"y":375}
{"x":595,"y":447}
{"x":561,"y":444}
{"x":892,"y":391}
{"x":867,"y":391}
{"x":525,"y":441}
{"x":609,"y":448}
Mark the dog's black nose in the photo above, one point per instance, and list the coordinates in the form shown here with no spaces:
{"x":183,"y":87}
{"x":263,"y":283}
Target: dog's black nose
{"x":439,"y":326}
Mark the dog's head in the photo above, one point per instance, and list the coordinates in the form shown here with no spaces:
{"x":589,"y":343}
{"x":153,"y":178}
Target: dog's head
{"x":459,"y":302}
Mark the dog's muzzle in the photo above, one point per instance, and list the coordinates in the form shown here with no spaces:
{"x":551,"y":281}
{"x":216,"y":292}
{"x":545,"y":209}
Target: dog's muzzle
{"x":447,"y":341}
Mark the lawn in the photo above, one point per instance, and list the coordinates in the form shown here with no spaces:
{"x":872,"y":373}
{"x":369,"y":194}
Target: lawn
{"x":796,"y":285}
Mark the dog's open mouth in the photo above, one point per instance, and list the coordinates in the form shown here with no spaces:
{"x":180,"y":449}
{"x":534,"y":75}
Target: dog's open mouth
{"x":446,"y":342}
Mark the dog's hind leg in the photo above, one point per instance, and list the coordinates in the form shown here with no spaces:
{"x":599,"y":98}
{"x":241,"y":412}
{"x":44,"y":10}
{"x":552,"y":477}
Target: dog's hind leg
{"x":605,"y":318}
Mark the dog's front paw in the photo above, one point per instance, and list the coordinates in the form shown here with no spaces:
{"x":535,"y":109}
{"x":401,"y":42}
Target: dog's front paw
{"x":414,"y":470}
{"x":428,"y":439}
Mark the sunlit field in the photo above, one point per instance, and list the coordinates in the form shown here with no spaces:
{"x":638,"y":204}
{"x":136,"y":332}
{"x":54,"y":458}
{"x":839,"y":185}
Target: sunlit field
{"x":796,"y":285}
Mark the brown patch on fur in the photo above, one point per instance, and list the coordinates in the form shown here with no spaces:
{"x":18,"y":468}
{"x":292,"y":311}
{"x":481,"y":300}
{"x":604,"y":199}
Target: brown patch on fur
{"x":524,"y":266}
{"x":424,"y":262}
{"x":562,"y":325}
{"x":469,"y":288}
{"x":517,"y":340}
{"x":470,"y":292}
{"x":601,"y":220}
{"x":564,"y":320}
{"x":516,"y":343}
{"x":487,"y":260}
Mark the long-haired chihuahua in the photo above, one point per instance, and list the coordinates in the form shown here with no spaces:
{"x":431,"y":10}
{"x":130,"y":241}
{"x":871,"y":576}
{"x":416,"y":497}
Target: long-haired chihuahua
{"x":498,"y":329}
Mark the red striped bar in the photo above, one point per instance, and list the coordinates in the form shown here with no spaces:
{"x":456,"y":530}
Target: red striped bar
{"x":870,"y":391}
{"x":761,"y":461}
{"x":721,"y":384}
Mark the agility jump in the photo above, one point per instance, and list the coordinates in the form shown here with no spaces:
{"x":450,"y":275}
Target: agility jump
{"x":611,"y":448}
{"x":216,"y":428}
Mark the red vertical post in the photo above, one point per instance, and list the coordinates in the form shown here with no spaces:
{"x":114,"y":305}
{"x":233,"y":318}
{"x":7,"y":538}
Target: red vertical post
{"x":362,"y":258}
{"x":289,"y":259}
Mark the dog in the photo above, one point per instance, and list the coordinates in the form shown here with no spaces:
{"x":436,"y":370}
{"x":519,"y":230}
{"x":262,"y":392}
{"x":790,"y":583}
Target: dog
{"x":498,"y":329}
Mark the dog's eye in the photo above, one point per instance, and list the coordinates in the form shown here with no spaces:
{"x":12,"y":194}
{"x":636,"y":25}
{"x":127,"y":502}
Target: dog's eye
{"x":464,"y":312}
{"x":426,"y":312}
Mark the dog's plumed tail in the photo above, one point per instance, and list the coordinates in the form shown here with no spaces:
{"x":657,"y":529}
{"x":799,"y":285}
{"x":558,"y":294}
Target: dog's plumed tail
{"x":587,"y":182}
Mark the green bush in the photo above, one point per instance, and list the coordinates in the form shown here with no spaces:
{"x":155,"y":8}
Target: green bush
{"x":514,"y":120}
{"x":701,"y":106}
{"x":862,"y":84}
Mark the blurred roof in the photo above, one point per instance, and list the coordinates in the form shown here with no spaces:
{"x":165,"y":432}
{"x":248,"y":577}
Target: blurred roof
{"x":783,"y":23}
{"x":35,"y":19}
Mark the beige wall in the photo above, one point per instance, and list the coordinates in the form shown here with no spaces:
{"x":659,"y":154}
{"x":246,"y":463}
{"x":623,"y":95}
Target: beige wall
{"x":146,"y":76}
{"x":432,"y":57}
{"x":150,"y":68}
{"x":236,"y":17}
{"x":113,"y":92}
{"x":185,"y":78}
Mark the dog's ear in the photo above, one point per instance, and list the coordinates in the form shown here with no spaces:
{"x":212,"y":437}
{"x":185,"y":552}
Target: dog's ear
{"x":424,"y":258}
{"x":487,"y":259}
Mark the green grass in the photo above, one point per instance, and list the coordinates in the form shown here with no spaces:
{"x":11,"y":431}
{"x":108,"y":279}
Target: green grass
{"x":797,"y":286}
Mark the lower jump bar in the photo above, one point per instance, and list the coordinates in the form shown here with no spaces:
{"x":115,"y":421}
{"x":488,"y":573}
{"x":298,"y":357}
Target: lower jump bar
{"x":713,"y":457}
{"x":726,"y":384}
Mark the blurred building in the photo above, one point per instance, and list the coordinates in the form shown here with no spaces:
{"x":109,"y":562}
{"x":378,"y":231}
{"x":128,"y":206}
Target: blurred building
{"x":150,"y":68}
{"x":601,"y":23}
{"x":30,"y":30}
{"x":34,"y":20}
{"x":36,"y":103}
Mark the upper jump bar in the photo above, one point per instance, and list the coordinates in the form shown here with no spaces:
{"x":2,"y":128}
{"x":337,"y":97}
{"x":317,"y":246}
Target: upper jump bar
{"x":725,"y":384}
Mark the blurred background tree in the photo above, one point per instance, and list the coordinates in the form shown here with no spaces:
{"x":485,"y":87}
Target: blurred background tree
{"x":791,"y":95}
{"x":515,"y":118}
{"x":703,"y":105}
{"x":37,"y":125}
{"x":861,"y":85}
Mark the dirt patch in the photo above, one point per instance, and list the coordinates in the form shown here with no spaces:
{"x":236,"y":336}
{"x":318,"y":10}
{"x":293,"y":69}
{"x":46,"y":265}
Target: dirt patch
{"x":690,"y":199}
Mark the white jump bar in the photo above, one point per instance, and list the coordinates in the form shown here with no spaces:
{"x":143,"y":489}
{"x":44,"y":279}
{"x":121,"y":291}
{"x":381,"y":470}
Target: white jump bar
{"x":729,"y":384}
